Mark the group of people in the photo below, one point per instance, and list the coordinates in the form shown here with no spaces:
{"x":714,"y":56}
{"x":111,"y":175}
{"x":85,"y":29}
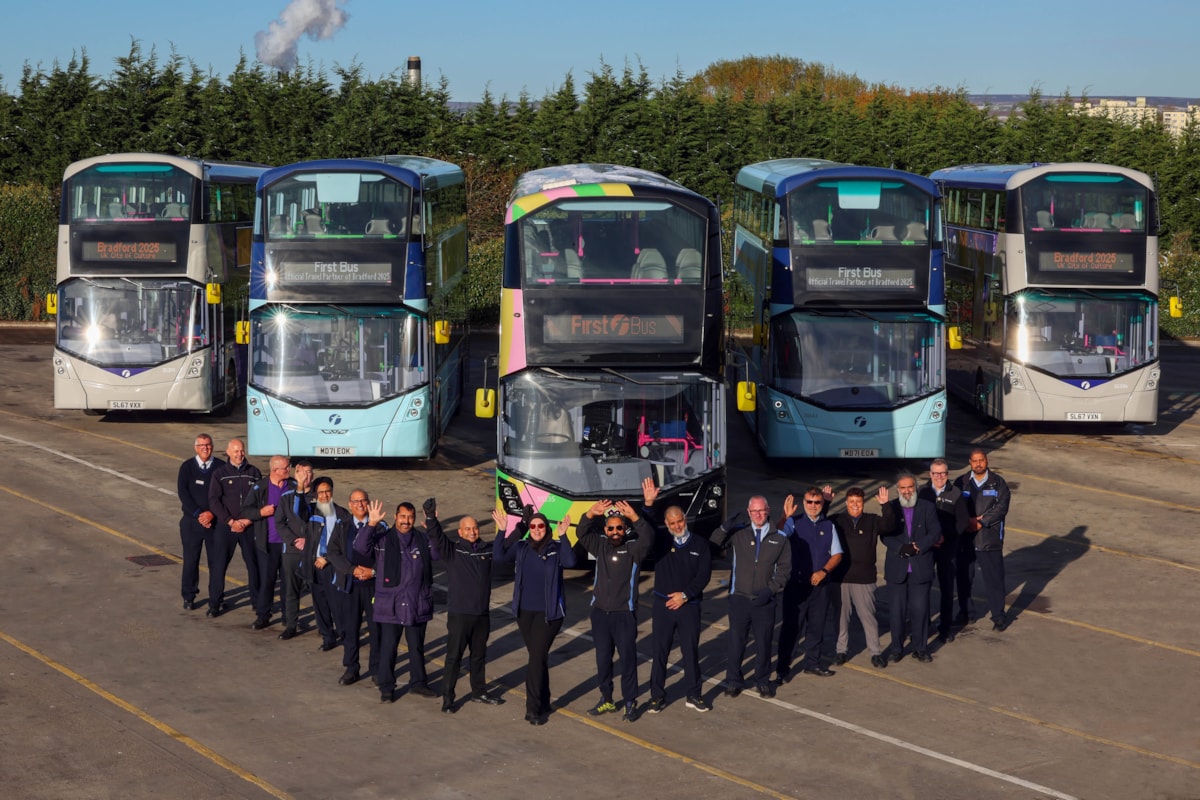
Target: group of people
{"x":809,"y":562}
{"x":362,"y":569}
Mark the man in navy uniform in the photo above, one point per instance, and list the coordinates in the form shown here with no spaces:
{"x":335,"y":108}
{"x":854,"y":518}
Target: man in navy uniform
{"x":987,"y":497}
{"x":816,"y":551}
{"x":196,"y":525}
{"x":954,"y":520}
{"x":229,"y":486}
{"x":908,"y":567}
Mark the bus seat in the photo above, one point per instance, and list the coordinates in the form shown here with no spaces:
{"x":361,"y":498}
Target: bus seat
{"x":1045,"y":219}
{"x":1126,"y":222}
{"x":379,"y":226}
{"x":650,"y":266}
{"x":172,"y":210}
{"x":1097,"y":220}
{"x":312,"y":222}
{"x":574,"y":264}
{"x":821,"y":230}
{"x":116,"y":209}
{"x":915,"y":232}
{"x":883,"y":233}
{"x":689,"y":266}
{"x":277,"y":225}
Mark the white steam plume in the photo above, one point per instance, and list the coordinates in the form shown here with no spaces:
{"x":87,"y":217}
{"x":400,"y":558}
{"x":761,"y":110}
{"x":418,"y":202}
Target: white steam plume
{"x":318,"y":19}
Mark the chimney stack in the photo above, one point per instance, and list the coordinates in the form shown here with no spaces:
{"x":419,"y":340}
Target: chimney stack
{"x":414,"y":71}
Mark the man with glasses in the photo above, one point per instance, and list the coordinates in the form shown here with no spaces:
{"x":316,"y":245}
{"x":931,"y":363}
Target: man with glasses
{"x":816,"y":551}
{"x":987,"y":496}
{"x":354,"y":576}
{"x":953,"y":520}
{"x":603,"y":533}
{"x":762,"y":564}
{"x":908,"y":567}
{"x":196,"y":525}
{"x":259,"y":507}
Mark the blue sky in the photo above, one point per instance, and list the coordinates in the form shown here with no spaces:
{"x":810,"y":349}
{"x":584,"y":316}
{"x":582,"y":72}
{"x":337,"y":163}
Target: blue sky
{"x":1101,"y":47}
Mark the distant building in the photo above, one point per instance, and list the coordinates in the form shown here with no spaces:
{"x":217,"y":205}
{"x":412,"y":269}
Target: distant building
{"x":1175,"y":121}
{"x":1136,"y":112}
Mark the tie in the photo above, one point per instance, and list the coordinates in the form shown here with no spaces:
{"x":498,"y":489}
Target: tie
{"x":757,"y":542}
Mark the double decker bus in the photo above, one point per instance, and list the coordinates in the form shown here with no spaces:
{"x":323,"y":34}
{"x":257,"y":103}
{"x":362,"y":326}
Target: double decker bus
{"x":843,"y":265}
{"x":151,"y":281}
{"x":357,"y":320}
{"x":1053,"y":286}
{"x":610,"y":362}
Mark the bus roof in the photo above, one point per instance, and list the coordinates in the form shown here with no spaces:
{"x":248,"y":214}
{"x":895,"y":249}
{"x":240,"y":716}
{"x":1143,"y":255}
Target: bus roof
{"x":783,"y":175}
{"x":209,"y":170}
{"x":566,"y":175}
{"x":412,"y":170}
{"x":1010,"y":176}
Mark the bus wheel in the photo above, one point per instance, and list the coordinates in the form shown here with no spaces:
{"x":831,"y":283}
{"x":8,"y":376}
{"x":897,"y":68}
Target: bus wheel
{"x":93,"y":412}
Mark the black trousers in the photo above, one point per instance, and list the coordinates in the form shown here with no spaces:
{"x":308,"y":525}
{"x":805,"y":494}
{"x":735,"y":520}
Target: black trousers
{"x":616,"y":631}
{"x":991,"y":564}
{"x":326,"y":604}
{"x":463,"y":631}
{"x":220,"y":555}
{"x":745,"y":617}
{"x":538,"y":634}
{"x":665,"y":626}
{"x":945,"y":561}
{"x":292,"y":585}
{"x":805,"y":608}
{"x":357,"y":604}
{"x":909,"y":599}
{"x":964,"y":571}
{"x":192,"y":538}
{"x":389,"y":643}
{"x":270,"y":564}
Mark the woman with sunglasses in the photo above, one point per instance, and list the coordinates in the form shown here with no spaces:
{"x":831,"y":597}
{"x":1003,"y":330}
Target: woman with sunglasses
{"x":538,"y":601}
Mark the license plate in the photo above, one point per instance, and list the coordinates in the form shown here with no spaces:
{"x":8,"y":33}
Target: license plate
{"x":124,"y":405}
{"x":1083,"y":416}
{"x":333,"y":451}
{"x":861,"y":452}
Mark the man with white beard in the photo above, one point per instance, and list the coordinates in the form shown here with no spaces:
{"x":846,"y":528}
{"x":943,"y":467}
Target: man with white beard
{"x":908,"y":567}
{"x":328,"y":519}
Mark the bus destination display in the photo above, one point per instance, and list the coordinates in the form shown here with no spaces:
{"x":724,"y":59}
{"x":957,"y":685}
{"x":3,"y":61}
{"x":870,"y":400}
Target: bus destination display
{"x":584,"y":328}
{"x":1073,"y":261}
{"x":128,"y":251}
{"x":334,"y":272}
{"x":832,"y":278}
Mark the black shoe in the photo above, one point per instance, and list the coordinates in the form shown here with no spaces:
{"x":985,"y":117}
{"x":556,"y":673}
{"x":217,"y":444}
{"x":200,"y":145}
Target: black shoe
{"x":631,"y":711}
{"x":448,"y":706}
{"x":945,"y":636}
{"x":216,"y":611}
{"x":421,"y":690}
{"x":328,"y":645}
{"x":733,"y":691}
{"x":924,"y":657}
{"x":698,"y":703}
{"x":656,"y":705}
{"x":387,"y":696}
{"x":841,"y":658}
{"x":895,"y":656}
{"x":486,"y":699}
{"x":784,"y":675}
{"x":819,"y":671}
{"x":289,"y":633}
{"x":189,"y":605}
{"x":766,"y":689}
{"x":1000,"y":626}
{"x":879,"y":661}
{"x":260,"y":623}
{"x":538,"y":719}
{"x":350,"y":676}
{"x":961,"y":619}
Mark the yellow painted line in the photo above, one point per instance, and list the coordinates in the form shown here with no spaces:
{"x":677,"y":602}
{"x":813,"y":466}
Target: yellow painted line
{"x":1127,"y":636}
{"x":1132,"y":748}
{"x":162,"y":727}
{"x":1103,"y":549}
{"x":1125,"y":495}
{"x":1128,"y":451}
{"x":123,"y":442}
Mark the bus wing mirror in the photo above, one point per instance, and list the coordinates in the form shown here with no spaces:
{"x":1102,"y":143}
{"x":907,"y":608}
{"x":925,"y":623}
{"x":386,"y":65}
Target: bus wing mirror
{"x":212,"y":292}
{"x":747,"y":394}
{"x":1175,"y":304}
{"x":52,"y":304}
{"x":485,"y":403}
{"x":954,"y":337}
{"x":241,"y":332}
{"x":441,"y":331}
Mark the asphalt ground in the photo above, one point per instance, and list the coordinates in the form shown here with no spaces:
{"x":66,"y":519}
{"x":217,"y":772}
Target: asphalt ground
{"x":109,"y":689}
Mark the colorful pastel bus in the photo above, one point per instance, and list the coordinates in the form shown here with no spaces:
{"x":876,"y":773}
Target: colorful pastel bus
{"x":356,"y":312}
{"x":843,"y":266}
{"x":153,"y":257}
{"x":611,"y":363}
{"x":1053,"y":286}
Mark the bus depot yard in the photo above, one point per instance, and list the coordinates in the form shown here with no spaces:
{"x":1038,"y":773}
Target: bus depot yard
{"x":110,"y":689}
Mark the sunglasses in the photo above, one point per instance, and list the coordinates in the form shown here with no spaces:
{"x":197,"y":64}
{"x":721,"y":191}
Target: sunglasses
{"x":614,"y":527}
{"x":813,"y":502}
{"x":536,"y":526}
